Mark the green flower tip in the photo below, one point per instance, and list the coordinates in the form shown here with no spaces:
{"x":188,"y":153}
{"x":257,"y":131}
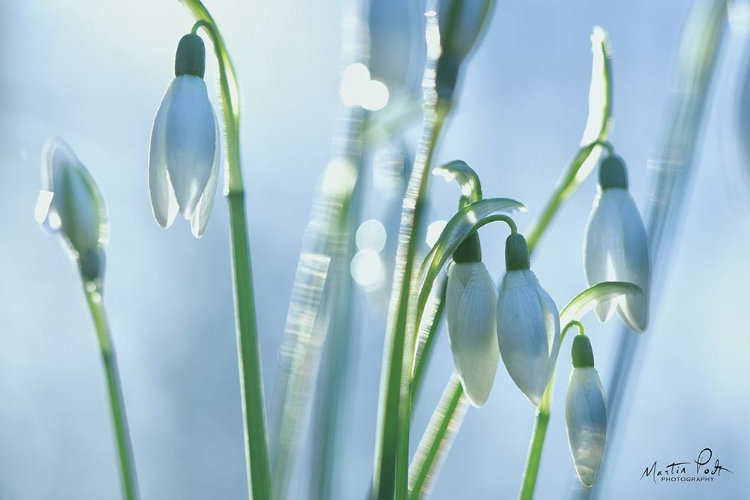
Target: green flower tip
{"x":470,"y":250}
{"x":583,"y":355}
{"x":191,"y":56}
{"x":516,"y":253}
{"x":612,"y":173}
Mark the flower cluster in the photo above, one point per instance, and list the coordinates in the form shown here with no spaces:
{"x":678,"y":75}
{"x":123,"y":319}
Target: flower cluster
{"x":521,"y":324}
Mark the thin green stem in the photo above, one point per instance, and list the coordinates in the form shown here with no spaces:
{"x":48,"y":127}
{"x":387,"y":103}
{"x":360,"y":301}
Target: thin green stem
{"x":251,"y":381}
{"x":561,"y":193}
{"x":534,"y":457}
{"x":571,"y":324}
{"x":128,"y":479}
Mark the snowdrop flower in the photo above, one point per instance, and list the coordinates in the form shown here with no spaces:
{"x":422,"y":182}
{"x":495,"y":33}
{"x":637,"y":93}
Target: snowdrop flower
{"x":470,"y":303}
{"x":528,"y":323}
{"x":183,"y":167}
{"x":615,"y":246}
{"x":70,"y":203}
{"x":585,"y":413}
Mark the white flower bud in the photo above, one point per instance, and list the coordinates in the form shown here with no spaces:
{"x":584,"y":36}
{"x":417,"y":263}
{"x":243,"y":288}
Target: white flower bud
{"x":470,"y":304}
{"x":183,"y":168}
{"x":586,"y":419}
{"x":72,"y":204}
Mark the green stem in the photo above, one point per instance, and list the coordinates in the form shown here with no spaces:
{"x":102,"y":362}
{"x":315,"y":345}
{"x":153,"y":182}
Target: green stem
{"x":251,"y":381}
{"x":128,"y":479}
{"x":561,"y":193}
{"x":534,"y":457}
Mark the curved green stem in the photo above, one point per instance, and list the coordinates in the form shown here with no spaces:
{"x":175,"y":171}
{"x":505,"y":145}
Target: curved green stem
{"x":251,"y":381}
{"x":128,"y":479}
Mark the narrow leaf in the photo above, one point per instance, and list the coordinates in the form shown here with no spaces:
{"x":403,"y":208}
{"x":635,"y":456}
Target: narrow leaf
{"x":465,"y":176}
{"x":589,"y":298}
{"x":437,"y":439}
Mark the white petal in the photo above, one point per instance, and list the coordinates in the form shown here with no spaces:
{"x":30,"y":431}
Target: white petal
{"x":522,"y":333}
{"x":163,"y":201}
{"x":470,"y":313}
{"x":634,"y":309}
{"x":551,"y":326}
{"x":199,"y":221}
{"x":602,"y":247}
{"x":586,"y":419}
{"x":191,"y":141}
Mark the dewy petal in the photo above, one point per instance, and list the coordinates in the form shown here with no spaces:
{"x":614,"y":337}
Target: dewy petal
{"x":470,"y":313}
{"x":191,"y":141}
{"x":586,"y":419}
{"x":199,"y":222}
{"x":603,"y":248}
{"x":163,"y":201}
{"x":522,"y":334}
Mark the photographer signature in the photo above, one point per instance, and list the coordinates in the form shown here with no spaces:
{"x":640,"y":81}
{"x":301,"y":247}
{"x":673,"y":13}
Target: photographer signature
{"x":684,"y":471}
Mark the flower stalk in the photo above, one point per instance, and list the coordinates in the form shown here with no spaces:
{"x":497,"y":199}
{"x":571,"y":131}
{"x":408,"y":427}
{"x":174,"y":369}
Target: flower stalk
{"x":251,"y":383}
{"x":128,"y":479}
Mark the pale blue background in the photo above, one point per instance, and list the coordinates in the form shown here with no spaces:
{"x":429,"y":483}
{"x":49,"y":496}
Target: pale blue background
{"x":94,"y":72}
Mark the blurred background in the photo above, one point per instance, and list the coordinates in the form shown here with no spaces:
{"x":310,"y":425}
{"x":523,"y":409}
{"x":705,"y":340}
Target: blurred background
{"x":95,"y":72}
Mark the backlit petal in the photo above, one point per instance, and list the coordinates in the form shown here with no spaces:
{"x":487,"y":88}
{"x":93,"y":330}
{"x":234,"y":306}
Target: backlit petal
{"x":199,"y":222}
{"x":163,"y":201}
{"x":603,"y":248}
{"x":586,"y":420}
{"x":191,"y":141}
{"x":470,"y":313}
{"x":634,"y":309}
{"x":522,"y":334}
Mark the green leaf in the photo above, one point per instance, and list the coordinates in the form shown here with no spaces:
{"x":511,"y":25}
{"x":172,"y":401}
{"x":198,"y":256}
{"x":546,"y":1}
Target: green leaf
{"x":600,"y":91}
{"x":589,"y":298}
{"x":465,"y":176}
{"x":597,"y":131}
